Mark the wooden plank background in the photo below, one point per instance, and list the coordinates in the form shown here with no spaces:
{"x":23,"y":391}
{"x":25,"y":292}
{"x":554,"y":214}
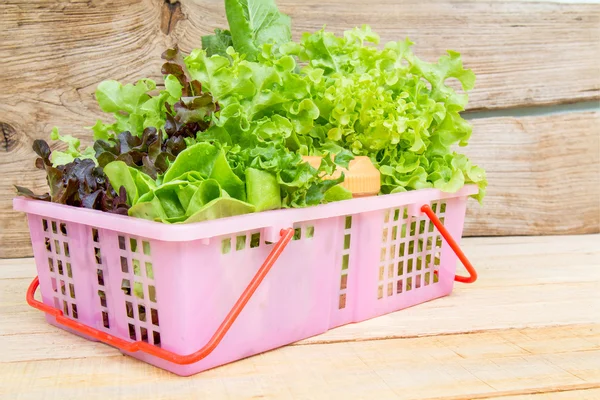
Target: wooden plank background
{"x":543,"y":169}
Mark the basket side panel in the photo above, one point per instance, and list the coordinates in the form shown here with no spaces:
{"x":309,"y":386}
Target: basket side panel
{"x":288,"y":306}
{"x":44,"y":260}
{"x":365,"y":282}
{"x":126,"y":277}
{"x":80,"y":264}
{"x":63,"y":263}
{"x":403,"y":258}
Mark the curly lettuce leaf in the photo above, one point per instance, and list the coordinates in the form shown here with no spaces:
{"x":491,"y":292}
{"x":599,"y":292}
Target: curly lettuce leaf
{"x":113,"y":97}
{"x":390,"y":106}
{"x":132,"y":106}
{"x":72,"y":152}
{"x":266,"y":108}
{"x":100,"y":130}
{"x":173,"y":87}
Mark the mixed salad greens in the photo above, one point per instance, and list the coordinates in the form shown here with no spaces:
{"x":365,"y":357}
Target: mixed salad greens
{"x":226,"y":133}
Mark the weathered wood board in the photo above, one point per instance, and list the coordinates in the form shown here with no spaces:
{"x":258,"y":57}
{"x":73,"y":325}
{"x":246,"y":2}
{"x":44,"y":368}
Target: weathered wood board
{"x":530,"y":326}
{"x":480,"y":365}
{"x":55,"y":53}
{"x":543,"y":173}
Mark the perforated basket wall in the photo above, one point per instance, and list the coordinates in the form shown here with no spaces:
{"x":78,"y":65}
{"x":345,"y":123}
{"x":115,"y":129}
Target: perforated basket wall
{"x":172,"y":285}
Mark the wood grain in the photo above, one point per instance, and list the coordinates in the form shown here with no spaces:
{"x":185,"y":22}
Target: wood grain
{"x":55,"y":53}
{"x":479,"y":343}
{"x":543,"y":173}
{"x":481,"y":365}
{"x":568,"y":394}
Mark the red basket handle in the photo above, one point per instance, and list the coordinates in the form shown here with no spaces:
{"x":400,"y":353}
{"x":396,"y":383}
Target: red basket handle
{"x":453,"y":245}
{"x":131,"y":347}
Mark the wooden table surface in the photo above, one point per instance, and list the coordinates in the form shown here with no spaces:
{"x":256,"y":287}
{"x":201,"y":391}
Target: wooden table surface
{"x":528,"y":328}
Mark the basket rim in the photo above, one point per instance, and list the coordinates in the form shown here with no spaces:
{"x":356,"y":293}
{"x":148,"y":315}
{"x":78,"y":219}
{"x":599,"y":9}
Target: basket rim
{"x":274,"y":219}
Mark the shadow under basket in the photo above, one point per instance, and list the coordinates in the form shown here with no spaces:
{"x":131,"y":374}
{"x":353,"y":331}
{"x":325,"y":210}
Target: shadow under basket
{"x":191,"y":297}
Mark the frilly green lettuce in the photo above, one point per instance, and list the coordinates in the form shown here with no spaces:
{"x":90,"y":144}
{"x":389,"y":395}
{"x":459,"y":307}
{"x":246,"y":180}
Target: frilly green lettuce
{"x":266,"y":118}
{"x":72,"y":152}
{"x":391,"y":106}
{"x":349,"y":96}
{"x":227,"y":133}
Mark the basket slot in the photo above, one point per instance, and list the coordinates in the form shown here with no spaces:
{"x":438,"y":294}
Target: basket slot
{"x":257,"y":239}
{"x":345,"y":262}
{"x":136,"y":277}
{"x":410,"y":251}
{"x":58,"y":255}
{"x":100,"y":282}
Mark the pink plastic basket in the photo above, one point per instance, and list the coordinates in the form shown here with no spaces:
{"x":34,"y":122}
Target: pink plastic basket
{"x":191,"y":297}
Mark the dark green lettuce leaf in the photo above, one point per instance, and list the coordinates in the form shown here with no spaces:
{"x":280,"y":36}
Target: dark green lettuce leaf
{"x":217,"y":43}
{"x":253,"y":23}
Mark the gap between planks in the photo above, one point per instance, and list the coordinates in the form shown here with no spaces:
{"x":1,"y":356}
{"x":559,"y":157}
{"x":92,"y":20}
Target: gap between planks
{"x":574,"y":392}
